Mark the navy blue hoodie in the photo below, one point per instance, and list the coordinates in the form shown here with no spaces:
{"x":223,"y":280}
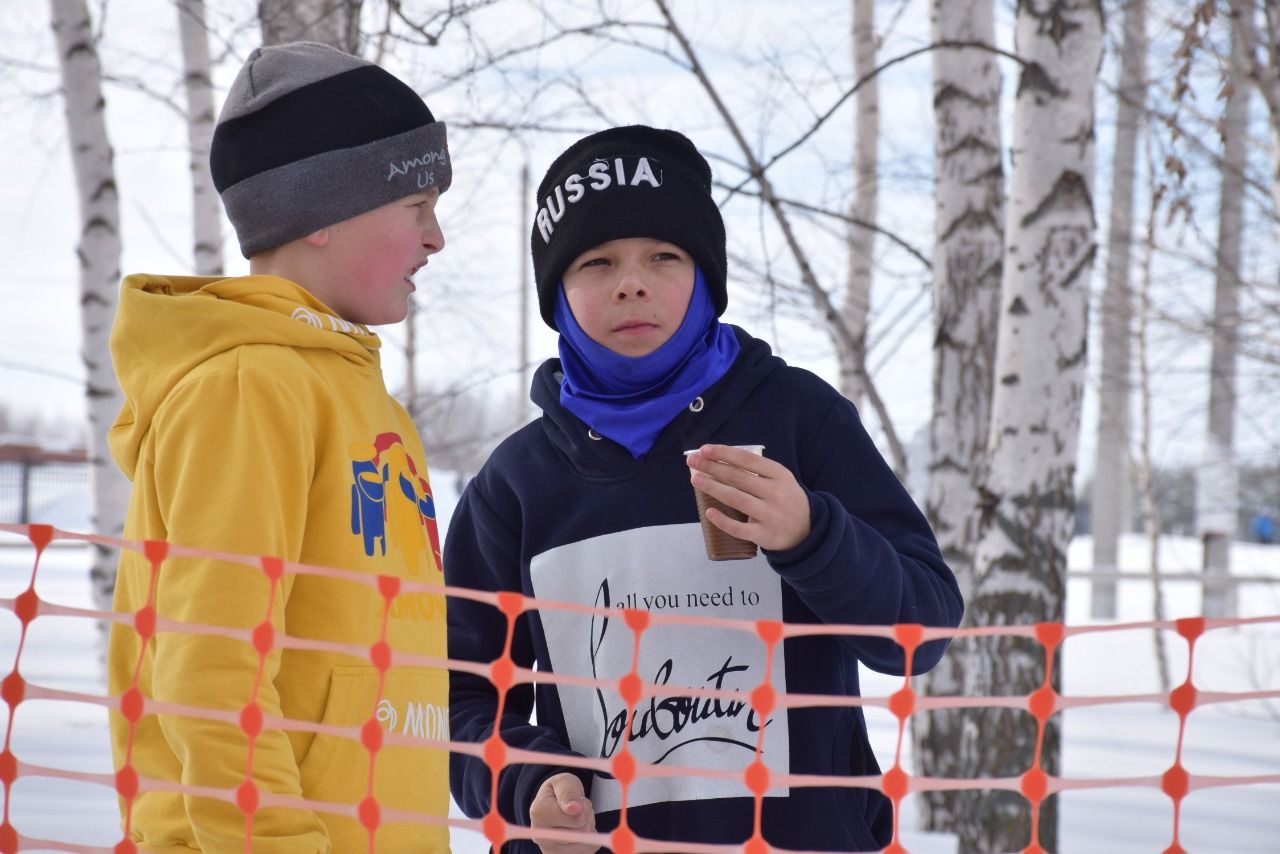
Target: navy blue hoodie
{"x":560,"y":514}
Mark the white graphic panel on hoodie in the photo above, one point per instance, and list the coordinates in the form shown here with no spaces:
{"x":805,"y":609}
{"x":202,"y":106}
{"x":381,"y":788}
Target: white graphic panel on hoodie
{"x":664,"y":570}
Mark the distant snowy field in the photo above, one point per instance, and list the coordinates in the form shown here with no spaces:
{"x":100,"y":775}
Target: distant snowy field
{"x":1114,"y":740}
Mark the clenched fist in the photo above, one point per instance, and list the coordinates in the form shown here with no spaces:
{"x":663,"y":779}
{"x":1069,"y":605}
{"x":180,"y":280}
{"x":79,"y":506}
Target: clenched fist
{"x":562,"y":805}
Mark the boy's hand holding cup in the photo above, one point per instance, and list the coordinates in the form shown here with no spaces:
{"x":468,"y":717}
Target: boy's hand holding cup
{"x":748,"y":497}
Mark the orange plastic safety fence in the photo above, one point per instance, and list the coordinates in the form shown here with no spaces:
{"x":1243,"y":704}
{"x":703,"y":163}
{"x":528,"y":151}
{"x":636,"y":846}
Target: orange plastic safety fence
{"x":896,"y":783}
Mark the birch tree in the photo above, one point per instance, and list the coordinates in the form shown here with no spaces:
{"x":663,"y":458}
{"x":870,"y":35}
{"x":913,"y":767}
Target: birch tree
{"x":857,"y":296}
{"x":99,"y":252}
{"x":1110,"y":500}
{"x":1145,"y":468}
{"x":334,"y":22}
{"x":968,"y":249}
{"x":1028,"y":506}
{"x":1216,"y":484}
{"x":206,"y":213}
{"x":1263,"y":70}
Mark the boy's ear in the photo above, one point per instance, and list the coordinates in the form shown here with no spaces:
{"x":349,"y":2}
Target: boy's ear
{"x":319,"y":237}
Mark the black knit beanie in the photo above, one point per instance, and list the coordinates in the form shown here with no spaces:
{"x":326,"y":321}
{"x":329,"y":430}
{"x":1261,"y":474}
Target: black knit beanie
{"x":633,"y":181}
{"x":310,"y":136}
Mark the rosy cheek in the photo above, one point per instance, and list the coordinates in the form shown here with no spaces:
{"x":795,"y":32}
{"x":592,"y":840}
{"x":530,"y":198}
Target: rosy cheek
{"x":593,"y":319}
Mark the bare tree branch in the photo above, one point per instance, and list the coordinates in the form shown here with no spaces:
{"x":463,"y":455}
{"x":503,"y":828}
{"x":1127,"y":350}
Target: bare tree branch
{"x":845,"y":218}
{"x":829,"y":312}
{"x":858,"y":84}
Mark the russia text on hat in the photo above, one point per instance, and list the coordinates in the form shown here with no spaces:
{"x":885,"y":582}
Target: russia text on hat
{"x":572,"y":190}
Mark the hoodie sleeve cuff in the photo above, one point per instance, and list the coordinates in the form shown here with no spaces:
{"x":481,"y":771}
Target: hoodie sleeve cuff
{"x":812,"y":545}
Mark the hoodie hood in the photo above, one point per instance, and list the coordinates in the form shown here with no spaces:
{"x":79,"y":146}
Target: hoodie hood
{"x":168,"y":325}
{"x":691,"y":428}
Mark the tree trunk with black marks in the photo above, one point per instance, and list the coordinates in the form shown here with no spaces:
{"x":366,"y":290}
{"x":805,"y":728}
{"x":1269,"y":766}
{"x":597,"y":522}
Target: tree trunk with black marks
{"x":1259,"y":48}
{"x":968,"y":252}
{"x":206,"y":211}
{"x":862,"y":209}
{"x":1216,"y":483}
{"x":99,"y":253}
{"x":1028,"y":495}
{"x":333,"y":22}
{"x":1111,"y":469}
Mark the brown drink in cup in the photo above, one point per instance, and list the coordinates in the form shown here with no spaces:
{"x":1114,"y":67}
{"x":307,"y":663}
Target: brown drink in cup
{"x":721,"y":545}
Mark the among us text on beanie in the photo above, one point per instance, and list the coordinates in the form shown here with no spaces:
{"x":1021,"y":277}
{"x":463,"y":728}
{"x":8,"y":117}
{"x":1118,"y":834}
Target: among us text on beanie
{"x":310,"y":136}
{"x":633,"y":181}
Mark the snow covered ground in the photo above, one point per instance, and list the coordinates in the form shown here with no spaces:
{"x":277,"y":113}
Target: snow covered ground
{"x":1101,"y":741}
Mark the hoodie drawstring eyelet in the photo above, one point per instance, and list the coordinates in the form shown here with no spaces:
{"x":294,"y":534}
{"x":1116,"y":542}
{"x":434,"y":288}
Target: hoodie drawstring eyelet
{"x":697,"y":405}
{"x":594,"y":436}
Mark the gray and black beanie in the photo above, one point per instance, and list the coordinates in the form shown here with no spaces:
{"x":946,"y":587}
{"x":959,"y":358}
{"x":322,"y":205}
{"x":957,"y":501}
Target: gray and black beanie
{"x":633,"y":181}
{"x":310,"y":136}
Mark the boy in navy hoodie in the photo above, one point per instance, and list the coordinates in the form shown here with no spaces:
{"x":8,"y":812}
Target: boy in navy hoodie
{"x":592,"y":503}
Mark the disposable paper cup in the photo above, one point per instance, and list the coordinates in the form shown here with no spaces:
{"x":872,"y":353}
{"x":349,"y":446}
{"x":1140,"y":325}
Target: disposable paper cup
{"x":722,"y":545}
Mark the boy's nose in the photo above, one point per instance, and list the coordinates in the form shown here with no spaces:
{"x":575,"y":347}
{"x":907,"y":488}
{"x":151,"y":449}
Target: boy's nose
{"x":630,"y":286}
{"x":433,"y":237}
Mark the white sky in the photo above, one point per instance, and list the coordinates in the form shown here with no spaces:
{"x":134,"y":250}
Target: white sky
{"x":470,"y":294}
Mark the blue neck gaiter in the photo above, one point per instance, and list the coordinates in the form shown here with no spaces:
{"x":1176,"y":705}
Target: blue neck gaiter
{"x":630,"y":399}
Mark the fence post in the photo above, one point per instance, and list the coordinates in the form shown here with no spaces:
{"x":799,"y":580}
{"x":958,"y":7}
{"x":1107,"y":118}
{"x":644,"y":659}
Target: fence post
{"x":1219,"y":597}
{"x":24,"y":490}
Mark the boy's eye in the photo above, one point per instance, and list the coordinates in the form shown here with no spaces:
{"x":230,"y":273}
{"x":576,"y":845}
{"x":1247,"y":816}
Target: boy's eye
{"x":594,"y":262}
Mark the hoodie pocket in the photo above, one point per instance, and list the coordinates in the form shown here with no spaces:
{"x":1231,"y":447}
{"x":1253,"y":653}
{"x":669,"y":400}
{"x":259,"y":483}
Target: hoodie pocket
{"x":352,"y":691}
{"x":413,"y":703}
{"x":861,"y":809}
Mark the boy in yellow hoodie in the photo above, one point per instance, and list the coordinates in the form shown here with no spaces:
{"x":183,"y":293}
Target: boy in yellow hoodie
{"x":257,"y":422}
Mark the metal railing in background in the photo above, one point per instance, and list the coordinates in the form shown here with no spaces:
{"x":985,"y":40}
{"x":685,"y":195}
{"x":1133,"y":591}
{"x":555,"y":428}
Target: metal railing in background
{"x":34,"y":481}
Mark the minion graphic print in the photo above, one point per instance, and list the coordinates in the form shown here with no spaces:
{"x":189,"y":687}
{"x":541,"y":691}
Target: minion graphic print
{"x":390,"y":500}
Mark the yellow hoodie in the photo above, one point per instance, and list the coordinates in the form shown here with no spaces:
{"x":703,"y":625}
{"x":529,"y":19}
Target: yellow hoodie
{"x":256,"y":422}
